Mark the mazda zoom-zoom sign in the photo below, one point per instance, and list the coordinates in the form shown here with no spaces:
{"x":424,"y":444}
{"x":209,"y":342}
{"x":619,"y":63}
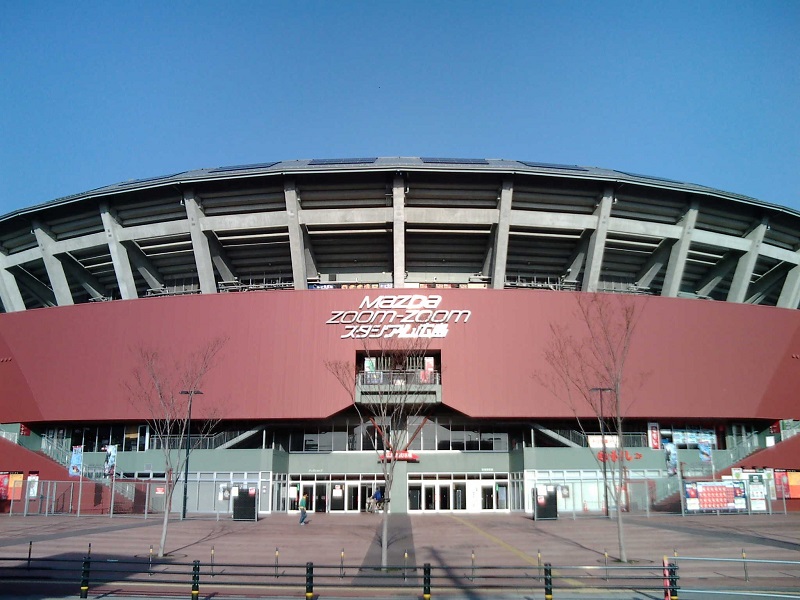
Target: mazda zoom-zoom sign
{"x":403,"y":316}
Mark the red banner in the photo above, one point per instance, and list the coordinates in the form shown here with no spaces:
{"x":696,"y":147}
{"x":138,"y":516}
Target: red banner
{"x":405,"y":455}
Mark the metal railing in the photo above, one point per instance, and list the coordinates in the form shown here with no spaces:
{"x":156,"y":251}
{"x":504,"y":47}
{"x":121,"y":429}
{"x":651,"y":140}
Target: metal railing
{"x":398,"y":378}
{"x":87,"y":573}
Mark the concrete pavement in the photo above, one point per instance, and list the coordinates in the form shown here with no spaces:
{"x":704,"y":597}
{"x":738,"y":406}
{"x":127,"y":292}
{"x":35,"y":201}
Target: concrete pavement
{"x":447,"y":541}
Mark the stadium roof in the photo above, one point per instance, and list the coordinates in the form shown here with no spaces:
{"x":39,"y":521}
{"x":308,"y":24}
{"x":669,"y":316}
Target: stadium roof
{"x":375,"y":164}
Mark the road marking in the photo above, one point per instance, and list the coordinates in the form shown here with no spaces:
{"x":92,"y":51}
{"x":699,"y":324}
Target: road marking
{"x":527,"y":558}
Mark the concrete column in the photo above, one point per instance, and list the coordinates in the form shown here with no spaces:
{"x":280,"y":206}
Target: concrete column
{"x":744,"y":269}
{"x":9,"y":288}
{"x":296,"y":245}
{"x":597,"y":242}
{"x":501,"y":235}
{"x":202,"y":253}
{"x":399,"y":231}
{"x":679,"y":254}
{"x":119,"y":255}
{"x":55,"y":270}
{"x":790,"y":292}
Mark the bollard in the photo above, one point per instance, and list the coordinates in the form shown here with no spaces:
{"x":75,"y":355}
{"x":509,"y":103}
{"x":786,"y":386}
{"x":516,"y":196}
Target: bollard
{"x":212,"y":561}
{"x":85,"y":577}
{"x":90,"y":550}
{"x":538,"y":565}
{"x":405,"y":564}
{"x":673,"y":581}
{"x":276,"y":562}
{"x":605,"y":555}
{"x":744,"y":562}
{"x":473,"y":566}
{"x":548,"y":581}
{"x":150,"y":562}
{"x":341,"y":565}
{"x":30,"y":550}
{"x":426,"y":581}
{"x":195,"y":579}
{"x":309,"y":580}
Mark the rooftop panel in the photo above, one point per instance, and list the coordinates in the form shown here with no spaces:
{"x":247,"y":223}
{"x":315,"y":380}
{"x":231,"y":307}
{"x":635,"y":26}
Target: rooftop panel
{"x":266,"y":165}
{"x":343,"y":161}
{"x":552,"y":166}
{"x":455,"y":161}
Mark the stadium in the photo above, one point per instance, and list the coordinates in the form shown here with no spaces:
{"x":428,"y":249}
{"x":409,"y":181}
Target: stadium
{"x":299,"y":264}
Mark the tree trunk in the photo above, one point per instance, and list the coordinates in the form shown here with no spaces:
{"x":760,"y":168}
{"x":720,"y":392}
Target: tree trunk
{"x":165,"y":523}
{"x":385,"y":535}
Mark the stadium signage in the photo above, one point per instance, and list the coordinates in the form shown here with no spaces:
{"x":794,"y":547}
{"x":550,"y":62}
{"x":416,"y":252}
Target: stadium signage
{"x":402,"y":316}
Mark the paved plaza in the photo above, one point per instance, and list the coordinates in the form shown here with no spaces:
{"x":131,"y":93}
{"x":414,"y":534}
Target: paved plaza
{"x":444,"y":540}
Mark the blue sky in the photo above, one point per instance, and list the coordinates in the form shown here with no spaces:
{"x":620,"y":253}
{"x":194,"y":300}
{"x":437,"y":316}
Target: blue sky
{"x":96,"y":93}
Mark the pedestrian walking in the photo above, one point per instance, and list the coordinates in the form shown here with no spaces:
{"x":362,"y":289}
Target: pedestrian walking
{"x":303,"y":507}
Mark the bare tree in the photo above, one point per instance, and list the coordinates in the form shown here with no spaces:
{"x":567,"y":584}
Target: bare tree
{"x":164,"y":387}
{"x":389,"y":388}
{"x":587,"y":369}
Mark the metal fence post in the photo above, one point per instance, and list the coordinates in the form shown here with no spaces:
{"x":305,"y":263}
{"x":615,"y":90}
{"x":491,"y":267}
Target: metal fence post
{"x":85,"y":577}
{"x":426,"y":581}
{"x":744,"y":562}
{"x":30,"y":550}
{"x":309,"y":580}
{"x":195,"y":580}
{"x":548,"y":581}
{"x":673,"y":581}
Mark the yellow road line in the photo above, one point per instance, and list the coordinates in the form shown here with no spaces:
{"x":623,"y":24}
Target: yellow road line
{"x":527,"y":558}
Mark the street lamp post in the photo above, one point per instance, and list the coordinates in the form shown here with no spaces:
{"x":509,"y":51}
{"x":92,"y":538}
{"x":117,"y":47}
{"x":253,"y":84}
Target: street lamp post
{"x":603,"y":438}
{"x":191,"y":394}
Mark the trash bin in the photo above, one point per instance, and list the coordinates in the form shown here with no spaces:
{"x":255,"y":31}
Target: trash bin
{"x":244,"y":504}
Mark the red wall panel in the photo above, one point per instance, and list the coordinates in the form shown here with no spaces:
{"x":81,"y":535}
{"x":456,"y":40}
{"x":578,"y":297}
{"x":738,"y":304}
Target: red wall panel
{"x":700,"y":359}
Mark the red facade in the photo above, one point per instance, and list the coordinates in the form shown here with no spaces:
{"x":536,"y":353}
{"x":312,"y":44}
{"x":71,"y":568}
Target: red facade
{"x":700,"y":359}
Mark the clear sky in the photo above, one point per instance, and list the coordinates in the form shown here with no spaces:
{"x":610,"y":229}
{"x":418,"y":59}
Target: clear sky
{"x":96,"y":93}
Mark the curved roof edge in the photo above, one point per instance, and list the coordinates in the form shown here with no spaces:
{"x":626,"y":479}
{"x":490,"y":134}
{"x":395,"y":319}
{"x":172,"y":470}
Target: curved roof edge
{"x":466,"y":165}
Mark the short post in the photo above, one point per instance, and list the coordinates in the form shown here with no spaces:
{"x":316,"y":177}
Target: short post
{"x":85,"y":576}
{"x":673,"y":581}
{"x":426,"y":581}
{"x":30,"y":550}
{"x":341,"y":565}
{"x":405,"y":564}
{"x":472,"y":578}
{"x":276,"y":562}
{"x":309,"y":580}
{"x":90,"y":550}
{"x":538,"y":564}
{"x":744,"y":562}
{"x":195,"y":580}
{"x":150,"y":562}
{"x":605,"y":556}
{"x":212,"y":561}
{"x":548,"y":581}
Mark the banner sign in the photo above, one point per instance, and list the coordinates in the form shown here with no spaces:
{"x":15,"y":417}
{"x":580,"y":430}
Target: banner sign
{"x":758,"y":492}
{"x":402,"y":316}
{"x":715,"y":496}
{"x":4,"y":485}
{"x":404,"y":455}
{"x":33,"y":484}
{"x":654,"y":436}
{"x":15,"y":480}
{"x":76,"y":462}
{"x":111,"y":460}
{"x":596,"y":441}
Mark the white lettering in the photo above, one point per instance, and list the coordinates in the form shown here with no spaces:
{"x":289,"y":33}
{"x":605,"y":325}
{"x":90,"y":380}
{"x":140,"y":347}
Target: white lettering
{"x":418,"y":317}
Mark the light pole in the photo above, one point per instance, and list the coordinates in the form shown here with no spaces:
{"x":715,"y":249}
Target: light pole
{"x":191,"y":394}
{"x":603,"y":438}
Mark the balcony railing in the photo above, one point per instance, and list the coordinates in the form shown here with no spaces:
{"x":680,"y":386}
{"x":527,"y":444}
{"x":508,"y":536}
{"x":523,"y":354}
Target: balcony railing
{"x":398,"y":378}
